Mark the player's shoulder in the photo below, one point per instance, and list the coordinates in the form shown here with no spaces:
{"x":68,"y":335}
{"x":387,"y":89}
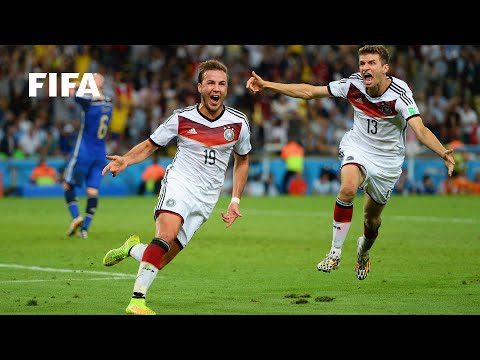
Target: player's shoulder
{"x":399,"y":89}
{"x":236,"y":113}
{"x":108,"y":99}
{"x":185,"y":109}
{"x":96,"y":100}
{"x":398,"y":84}
{"x":354,"y":78}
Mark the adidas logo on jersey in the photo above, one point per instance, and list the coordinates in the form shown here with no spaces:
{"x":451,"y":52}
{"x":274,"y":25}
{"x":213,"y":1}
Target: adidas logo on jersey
{"x":192,"y":131}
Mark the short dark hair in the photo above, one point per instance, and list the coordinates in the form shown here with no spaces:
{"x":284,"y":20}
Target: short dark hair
{"x":381,"y":50}
{"x":210,"y":65}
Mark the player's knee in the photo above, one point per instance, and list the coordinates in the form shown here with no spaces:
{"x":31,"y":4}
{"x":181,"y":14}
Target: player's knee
{"x":66,"y":186}
{"x":372,"y":223}
{"x":92,"y":192}
{"x":347,"y":192}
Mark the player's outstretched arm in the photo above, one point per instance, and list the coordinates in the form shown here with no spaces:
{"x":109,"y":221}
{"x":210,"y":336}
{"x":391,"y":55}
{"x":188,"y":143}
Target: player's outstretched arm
{"x":135,"y":155}
{"x":302,"y":91}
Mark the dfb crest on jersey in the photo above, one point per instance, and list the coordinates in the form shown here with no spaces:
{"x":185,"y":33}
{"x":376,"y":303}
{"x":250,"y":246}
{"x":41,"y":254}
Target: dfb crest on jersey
{"x":228,"y":134}
{"x":386,"y":110}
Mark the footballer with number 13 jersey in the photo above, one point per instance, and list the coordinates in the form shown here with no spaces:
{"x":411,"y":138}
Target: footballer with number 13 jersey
{"x":377,"y":139}
{"x":386,"y":114}
{"x":373,"y":151}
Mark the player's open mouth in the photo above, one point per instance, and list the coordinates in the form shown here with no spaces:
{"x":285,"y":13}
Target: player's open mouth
{"x":367,"y":78}
{"x":215,"y":98}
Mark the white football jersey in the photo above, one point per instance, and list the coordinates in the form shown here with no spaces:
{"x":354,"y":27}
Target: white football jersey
{"x":204,"y":146}
{"x":380,"y":123}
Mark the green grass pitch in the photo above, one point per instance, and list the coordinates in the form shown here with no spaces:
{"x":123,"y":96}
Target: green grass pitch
{"x":426,"y":260}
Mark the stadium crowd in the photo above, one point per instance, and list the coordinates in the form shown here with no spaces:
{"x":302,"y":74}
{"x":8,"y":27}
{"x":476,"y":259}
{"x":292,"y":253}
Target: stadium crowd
{"x":149,"y":81}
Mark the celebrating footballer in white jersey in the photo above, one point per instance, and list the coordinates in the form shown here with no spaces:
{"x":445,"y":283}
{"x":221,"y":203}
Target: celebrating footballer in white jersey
{"x":193,"y":181}
{"x":373,"y":151}
{"x":380,"y":123}
{"x":205,"y":146}
{"x":207,"y":134}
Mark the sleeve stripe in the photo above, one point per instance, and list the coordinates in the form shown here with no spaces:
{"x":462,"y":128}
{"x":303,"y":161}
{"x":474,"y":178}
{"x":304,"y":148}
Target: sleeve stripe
{"x":402,"y":93}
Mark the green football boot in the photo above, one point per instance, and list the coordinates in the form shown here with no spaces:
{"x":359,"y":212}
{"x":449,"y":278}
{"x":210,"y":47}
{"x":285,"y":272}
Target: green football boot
{"x":114,"y":256}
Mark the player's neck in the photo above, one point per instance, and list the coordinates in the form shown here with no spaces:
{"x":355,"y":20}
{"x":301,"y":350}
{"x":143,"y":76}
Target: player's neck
{"x":380,"y":88}
{"x":101,"y":97}
{"x":206,"y":112}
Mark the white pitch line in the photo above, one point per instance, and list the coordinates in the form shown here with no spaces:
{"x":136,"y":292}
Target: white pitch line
{"x":435,"y":219}
{"x":38,"y":268}
{"x":39,"y":280}
{"x":393,"y":217}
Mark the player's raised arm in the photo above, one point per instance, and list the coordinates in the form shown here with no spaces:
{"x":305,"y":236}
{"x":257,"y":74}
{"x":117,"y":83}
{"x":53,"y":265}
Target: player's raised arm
{"x":135,"y":155}
{"x":303,"y":91}
{"x":427,"y":138}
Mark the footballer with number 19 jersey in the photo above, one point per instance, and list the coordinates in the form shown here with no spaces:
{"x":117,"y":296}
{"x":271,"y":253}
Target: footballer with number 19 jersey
{"x":207,"y":135}
{"x":195,"y":177}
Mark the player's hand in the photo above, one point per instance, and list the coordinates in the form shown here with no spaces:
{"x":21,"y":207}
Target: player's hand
{"x":233,"y":212}
{"x":116,"y":165}
{"x":449,"y":160}
{"x":255,"y":83}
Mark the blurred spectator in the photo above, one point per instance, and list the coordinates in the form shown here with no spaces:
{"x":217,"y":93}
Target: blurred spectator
{"x":297,"y":185}
{"x":326,"y":183}
{"x":452,"y":127}
{"x":123,"y":106}
{"x":44,"y":174}
{"x":468,"y":119}
{"x":474,"y":138}
{"x":255,"y":186}
{"x":9,"y":143}
{"x":282,"y":106}
{"x":51,"y":146}
{"x":276,"y":130}
{"x":31,"y":141}
{"x":437,"y":104}
{"x":458,"y":183}
{"x":152,"y":177}
{"x":427,"y":186}
{"x":270,"y":186}
{"x":82,"y":59}
{"x":404,"y":184}
{"x":293,"y":154}
{"x":475,"y":184}
{"x":67,"y":139}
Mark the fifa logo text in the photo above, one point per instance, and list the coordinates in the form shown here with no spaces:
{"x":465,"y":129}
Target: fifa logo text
{"x":86,"y":86}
